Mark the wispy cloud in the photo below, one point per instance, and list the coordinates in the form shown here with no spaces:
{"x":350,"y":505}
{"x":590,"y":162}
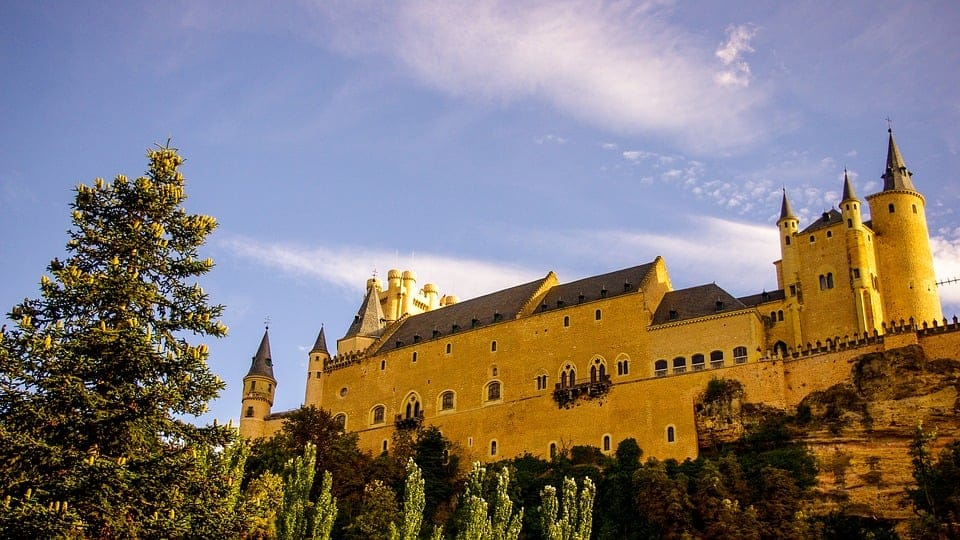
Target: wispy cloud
{"x":730,"y":53}
{"x":550,"y":138}
{"x":621,"y":66}
{"x":349,"y":266}
{"x":946,"y":264}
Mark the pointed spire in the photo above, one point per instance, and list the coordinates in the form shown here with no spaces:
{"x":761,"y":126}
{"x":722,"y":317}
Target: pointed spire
{"x":263,"y":362}
{"x":786,"y":211}
{"x":896,"y":177}
{"x":848,"y":194}
{"x":369,"y":321}
{"x":320,"y":346}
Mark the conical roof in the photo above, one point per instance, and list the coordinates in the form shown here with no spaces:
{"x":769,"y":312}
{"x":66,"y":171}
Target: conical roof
{"x":369,"y":321}
{"x":896,"y":177}
{"x":320,"y":346}
{"x":262,"y":362}
{"x":848,"y":194}
{"x":786,"y":211}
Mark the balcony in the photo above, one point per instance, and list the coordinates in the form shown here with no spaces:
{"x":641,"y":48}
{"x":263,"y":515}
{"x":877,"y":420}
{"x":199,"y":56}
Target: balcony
{"x":567,"y":395}
{"x":413,"y":422}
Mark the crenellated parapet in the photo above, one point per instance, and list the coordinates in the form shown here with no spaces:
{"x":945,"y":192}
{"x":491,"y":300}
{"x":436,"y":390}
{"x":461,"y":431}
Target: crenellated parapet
{"x":341,"y":361}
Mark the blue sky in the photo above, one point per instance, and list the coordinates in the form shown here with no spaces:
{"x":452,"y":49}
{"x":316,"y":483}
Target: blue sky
{"x":479,"y":144}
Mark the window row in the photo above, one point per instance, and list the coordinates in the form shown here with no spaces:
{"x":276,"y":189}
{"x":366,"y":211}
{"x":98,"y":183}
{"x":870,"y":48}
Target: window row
{"x":446,"y":401}
{"x":697,"y":362}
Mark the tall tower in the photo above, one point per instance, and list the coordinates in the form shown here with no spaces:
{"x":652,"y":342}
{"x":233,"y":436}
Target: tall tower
{"x":788,"y":268}
{"x":863,"y":266}
{"x":907,"y":282}
{"x":318,"y":355}
{"x":259,"y":386}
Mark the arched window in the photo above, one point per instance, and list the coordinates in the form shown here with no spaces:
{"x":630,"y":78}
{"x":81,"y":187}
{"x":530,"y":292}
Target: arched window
{"x":341,"y":420}
{"x":568,"y":377}
{"x":829,"y":280}
{"x":606,"y":443}
{"x":413,"y":409}
{"x":780,"y":349}
{"x":716,"y":359}
{"x":446,"y":400}
{"x":378,"y":414}
{"x":671,"y":434}
{"x":493,"y":391}
{"x":780,"y":315}
{"x":493,"y":346}
{"x":823,"y":282}
{"x":253,"y":386}
{"x":249,"y":412}
{"x":660,"y":368}
{"x":449,"y":348}
{"x":740,"y":355}
{"x":698,"y":362}
{"x":597,"y":315}
{"x":890,"y":208}
{"x":786,"y":239}
{"x":598,"y":370}
{"x":566,"y":322}
{"x":849,"y":223}
{"x":384,"y":445}
{"x":679,"y":365}
{"x":493,"y":448}
{"x":623,"y":367}
{"x":553,"y":450}
{"x":541,"y":380}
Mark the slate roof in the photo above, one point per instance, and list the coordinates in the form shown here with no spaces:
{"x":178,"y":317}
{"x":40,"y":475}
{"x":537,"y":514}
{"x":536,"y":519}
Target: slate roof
{"x":262,"y":362}
{"x":321,"y":344}
{"x":695,"y":302}
{"x":828,"y":218}
{"x":762,"y":298}
{"x":896,"y":177}
{"x":494,"y":307}
{"x":595,"y":287}
{"x":369,"y":321}
{"x":848,"y":194}
{"x":786,"y":211}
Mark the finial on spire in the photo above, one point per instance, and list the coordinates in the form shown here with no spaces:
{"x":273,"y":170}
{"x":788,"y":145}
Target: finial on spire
{"x":266,"y":322}
{"x":889,"y":125}
{"x":786,"y":211}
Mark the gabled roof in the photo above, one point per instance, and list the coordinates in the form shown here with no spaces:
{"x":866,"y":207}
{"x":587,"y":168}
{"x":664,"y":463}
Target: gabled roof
{"x":320,"y":345}
{"x":828,"y":218}
{"x":488,"y":309}
{"x":262,"y":362}
{"x":762,"y":298}
{"x":369,"y":321}
{"x":896,"y":177}
{"x":694,"y":302}
{"x":607,"y":285}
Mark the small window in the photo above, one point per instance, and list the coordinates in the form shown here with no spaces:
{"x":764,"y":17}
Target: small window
{"x":829,"y":280}
{"x":660,"y":368}
{"x":673,"y":315}
{"x":249,"y":412}
{"x":343,"y":392}
{"x":493,"y":346}
{"x":813,"y":238}
{"x":414,"y":356}
{"x":269,"y":387}
{"x":253,"y":386}
{"x":780,"y":315}
{"x":493,"y":391}
{"x":671,"y":434}
{"x":623,"y":367}
{"x":786,"y":240}
{"x":383,"y":365}
{"x":679,"y":365}
{"x":793,"y":290}
{"x":914,"y":208}
{"x":856,"y":273}
{"x":553,"y":450}
{"x":566,"y":322}
{"x":891,"y":208}
{"x":829,"y":234}
{"x":597,"y":315}
{"x":606,"y":443}
{"x":378,"y":414}
{"x":849,"y":223}
{"x":384,"y":445}
{"x":318,"y":374}
{"x":493,"y":448}
{"x":542,"y":381}
{"x":449,"y":348}
{"x":698,"y":362}
{"x":716,"y":359}
{"x":446,"y":401}
{"x":740,"y":355}
{"x":341,"y":420}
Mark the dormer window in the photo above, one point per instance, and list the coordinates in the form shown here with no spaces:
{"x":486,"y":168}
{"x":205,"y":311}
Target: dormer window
{"x":673,"y":315}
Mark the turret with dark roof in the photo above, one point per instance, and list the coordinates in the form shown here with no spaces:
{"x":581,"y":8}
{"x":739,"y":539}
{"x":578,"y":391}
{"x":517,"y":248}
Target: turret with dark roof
{"x":320,"y":346}
{"x":848,"y":194}
{"x":369,"y":321}
{"x":896,"y":177}
{"x":786,"y":211}
{"x":262,"y":362}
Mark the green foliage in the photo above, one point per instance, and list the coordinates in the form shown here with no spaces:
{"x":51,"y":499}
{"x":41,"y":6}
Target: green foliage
{"x":377,"y":512}
{"x":299,"y":517}
{"x":413,"y":504}
{"x":503,"y":524}
{"x":97,"y":376}
{"x":576,"y":520}
{"x":936,"y":497}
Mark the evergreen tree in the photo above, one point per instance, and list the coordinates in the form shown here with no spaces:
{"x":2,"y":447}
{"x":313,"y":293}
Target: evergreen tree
{"x":503,"y":524}
{"x":413,"y":502}
{"x":99,"y":376}
{"x":576,"y":520}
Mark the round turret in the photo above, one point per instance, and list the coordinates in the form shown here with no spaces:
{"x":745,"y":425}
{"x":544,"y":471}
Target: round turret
{"x":433,"y":295}
{"x":448,"y":300}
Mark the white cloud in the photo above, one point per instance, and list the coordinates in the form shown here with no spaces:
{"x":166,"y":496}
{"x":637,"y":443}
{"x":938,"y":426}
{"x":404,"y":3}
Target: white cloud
{"x":621,"y":66}
{"x":550,"y":138}
{"x":946,"y":264}
{"x":730,"y":54}
{"x":350,"y":267}
{"x":608,"y":146}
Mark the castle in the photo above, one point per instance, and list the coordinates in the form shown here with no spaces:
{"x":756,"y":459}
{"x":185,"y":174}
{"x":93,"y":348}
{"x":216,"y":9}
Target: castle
{"x":543,"y":366}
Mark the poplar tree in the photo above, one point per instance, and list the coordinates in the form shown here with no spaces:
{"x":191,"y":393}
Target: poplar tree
{"x":100,"y":375}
